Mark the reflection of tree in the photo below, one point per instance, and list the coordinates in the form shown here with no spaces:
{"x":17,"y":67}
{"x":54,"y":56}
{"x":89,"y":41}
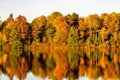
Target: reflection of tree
{"x":112,"y":71}
{"x":10,"y":71}
{"x":61,"y":68}
{"x":13,"y":60}
{"x":59,"y":64}
{"x":16,"y":65}
{"x":38,"y":66}
{"x":94,"y":72}
{"x":22,"y":67}
{"x":73,"y":59}
{"x":82,"y":70}
{"x":50,"y":65}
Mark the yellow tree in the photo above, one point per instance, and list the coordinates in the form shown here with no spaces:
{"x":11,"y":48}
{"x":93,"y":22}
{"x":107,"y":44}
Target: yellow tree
{"x":112,"y":21}
{"x":57,"y":27}
{"x":73,"y":37}
{"x":94,"y":23}
{"x":3,"y":41}
{"x":62,"y":30}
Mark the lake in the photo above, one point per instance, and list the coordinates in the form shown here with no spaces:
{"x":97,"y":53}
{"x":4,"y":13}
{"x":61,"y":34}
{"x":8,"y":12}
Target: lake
{"x":60,"y":63}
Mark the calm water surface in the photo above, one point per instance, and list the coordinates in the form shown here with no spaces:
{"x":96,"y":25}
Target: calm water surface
{"x":60,"y":63}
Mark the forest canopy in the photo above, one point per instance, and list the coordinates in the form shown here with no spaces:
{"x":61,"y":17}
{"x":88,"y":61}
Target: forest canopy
{"x":71,"y":29}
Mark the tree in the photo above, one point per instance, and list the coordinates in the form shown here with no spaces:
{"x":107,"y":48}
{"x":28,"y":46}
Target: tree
{"x":53,"y":16}
{"x":50,"y":33}
{"x":72,"y":19}
{"x":3,"y":40}
{"x":82,"y":29}
{"x":73,"y":37}
{"x":103,"y":33}
{"x":38,"y":28}
{"x":94,"y":23}
{"x":23,"y":28}
{"x":1,"y":25}
{"x":82,"y":24}
{"x":8,"y":25}
{"x":15,"y":44}
{"x":111,"y":21}
{"x":50,"y":26}
{"x":62,"y":30}
{"x":14,"y":41}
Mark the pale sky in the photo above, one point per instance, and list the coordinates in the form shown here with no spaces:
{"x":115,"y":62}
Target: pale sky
{"x":35,"y":8}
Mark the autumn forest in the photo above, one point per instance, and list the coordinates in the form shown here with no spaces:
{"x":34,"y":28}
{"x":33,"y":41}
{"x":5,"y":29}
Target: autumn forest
{"x":61,"y":46}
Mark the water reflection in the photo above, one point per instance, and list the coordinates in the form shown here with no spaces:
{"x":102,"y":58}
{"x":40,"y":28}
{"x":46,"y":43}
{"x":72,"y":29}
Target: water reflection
{"x":58,"y":63}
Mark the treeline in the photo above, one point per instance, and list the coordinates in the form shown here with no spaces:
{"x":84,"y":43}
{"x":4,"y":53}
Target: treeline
{"x":71,"y":30}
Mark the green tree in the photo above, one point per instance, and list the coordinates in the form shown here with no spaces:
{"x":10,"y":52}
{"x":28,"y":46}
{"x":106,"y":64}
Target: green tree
{"x":15,"y":44}
{"x":50,"y":33}
{"x":73,"y":37}
{"x":2,"y":43}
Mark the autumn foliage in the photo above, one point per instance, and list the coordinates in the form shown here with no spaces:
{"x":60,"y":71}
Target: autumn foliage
{"x":58,"y":46}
